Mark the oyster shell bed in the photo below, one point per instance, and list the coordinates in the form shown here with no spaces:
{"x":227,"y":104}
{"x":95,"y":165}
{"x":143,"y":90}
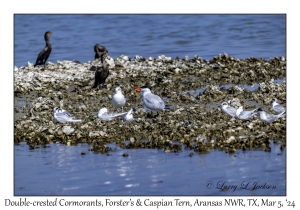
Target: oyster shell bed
{"x":195,"y":122}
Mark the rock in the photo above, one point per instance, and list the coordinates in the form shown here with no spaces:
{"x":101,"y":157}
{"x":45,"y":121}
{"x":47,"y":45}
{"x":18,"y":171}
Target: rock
{"x":230,"y":139}
{"x":67,"y":130}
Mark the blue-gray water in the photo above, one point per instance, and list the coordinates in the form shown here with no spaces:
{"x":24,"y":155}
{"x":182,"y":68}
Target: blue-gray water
{"x":62,"y":170}
{"x":74,"y":36}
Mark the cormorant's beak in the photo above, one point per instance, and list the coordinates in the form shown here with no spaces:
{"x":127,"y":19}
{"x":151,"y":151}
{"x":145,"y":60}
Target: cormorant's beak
{"x":138,"y":89}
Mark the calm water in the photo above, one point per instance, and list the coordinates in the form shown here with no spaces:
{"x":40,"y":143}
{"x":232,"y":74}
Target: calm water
{"x":62,"y":170}
{"x":74,"y":36}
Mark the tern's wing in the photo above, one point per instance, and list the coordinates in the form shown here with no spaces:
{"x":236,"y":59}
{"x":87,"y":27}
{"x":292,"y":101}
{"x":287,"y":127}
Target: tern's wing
{"x":67,"y":114}
{"x":270,"y":117}
{"x":64,"y":112}
{"x":153,"y":102}
{"x":105,"y":117}
{"x":127,"y":119}
{"x":66,"y":117}
{"x":230,"y":110}
{"x":111,"y":116}
{"x":246,"y":114}
{"x":60,"y":117}
{"x":114,"y":115}
{"x":279,"y":109}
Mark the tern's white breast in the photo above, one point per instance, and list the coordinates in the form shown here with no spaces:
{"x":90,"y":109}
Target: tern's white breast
{"x":118,"y":100}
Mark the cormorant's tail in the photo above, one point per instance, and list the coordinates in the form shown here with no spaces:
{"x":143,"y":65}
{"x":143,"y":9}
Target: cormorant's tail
{"x":95,"y":85}
{"x":96,"y":79}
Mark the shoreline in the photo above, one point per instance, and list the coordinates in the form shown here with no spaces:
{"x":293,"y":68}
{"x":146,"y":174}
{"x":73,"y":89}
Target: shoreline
{"x":195,"y":122}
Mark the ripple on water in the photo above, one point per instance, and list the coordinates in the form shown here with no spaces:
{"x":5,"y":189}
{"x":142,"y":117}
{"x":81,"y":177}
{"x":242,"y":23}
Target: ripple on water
{"x":252,"y":88}
{"x":169,"y":174}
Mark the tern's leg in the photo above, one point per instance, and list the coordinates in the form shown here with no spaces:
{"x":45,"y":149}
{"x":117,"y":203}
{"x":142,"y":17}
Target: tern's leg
{"x":153,"y":114}
{"x":150,"y":115}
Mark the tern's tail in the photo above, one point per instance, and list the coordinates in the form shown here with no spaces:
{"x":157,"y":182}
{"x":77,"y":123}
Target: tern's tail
{"x":114,"y":115}
{"x":282,"y":114}
{"x":73,"y":120}
{"x":168,"y":107}
{"x":254,"y":112}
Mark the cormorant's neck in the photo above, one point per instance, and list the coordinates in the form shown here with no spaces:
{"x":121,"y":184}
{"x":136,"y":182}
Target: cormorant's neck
{"x":102,"y":60}
{"x":47,"y":40}
{"x":104,"y":64}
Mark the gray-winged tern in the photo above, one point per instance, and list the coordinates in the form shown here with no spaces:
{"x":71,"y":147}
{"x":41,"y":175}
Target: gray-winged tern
{"x":277,"y":107}
{"x":228,"y":109}
{"x":268,"y":118}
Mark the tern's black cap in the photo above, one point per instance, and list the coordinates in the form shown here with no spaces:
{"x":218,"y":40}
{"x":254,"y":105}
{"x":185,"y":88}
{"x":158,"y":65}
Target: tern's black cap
{"x":146,"y":86}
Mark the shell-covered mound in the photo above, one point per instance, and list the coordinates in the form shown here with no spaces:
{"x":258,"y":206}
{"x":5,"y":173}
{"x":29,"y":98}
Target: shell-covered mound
{"x":195,"y":121}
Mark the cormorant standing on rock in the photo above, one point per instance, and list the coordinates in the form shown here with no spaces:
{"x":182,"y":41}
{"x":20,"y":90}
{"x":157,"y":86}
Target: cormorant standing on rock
{"x":99,"y":50}
{"x":102,"y":72}
{"x":44,"y":54}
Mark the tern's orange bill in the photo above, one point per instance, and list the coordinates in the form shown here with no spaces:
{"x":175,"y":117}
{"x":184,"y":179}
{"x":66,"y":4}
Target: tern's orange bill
{"x":138,"y":89}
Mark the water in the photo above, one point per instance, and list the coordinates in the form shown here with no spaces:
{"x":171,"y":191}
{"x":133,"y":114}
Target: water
{"x":74,"y":36}
{"x":252,"y":88}
{"x":62,"y":170}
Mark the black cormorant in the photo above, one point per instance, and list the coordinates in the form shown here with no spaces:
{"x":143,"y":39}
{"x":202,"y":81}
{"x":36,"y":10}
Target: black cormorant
{"x":99,"y":50}
{"x":102,"y":72}
{"x":44,"y":54}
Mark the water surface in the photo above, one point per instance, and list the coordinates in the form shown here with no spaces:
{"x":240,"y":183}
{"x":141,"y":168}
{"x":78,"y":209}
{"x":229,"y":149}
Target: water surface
{"x":74,"y":36}
{"x":63,"y":170}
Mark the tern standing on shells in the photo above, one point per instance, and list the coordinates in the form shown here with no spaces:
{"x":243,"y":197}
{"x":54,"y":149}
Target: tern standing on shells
{"x":118,"y":99}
